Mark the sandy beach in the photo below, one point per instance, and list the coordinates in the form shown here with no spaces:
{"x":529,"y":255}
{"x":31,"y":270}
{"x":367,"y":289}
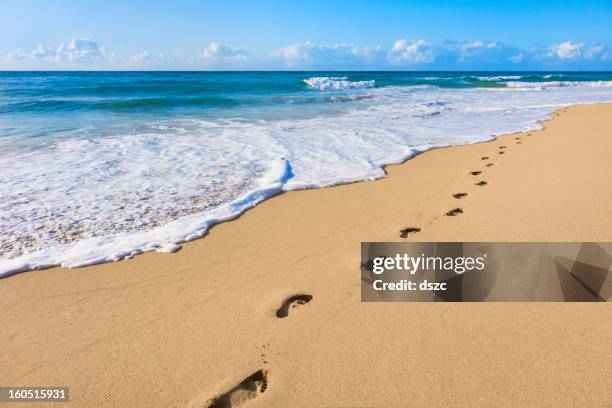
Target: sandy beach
{"x":187,"y":329}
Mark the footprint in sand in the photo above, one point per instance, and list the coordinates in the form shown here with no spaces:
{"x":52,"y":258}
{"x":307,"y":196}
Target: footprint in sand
{"x":292,"y":303}
{"x":481,"y":183}
{"x":475,"y":172}
{"x":459,"y":195}
{"x":519,"y":142}
{"x":501,"y":152}
{"x":454,"y":212}
{"x":517,"y":138}
{"x":410,"y":230}
{"x":484,"y":158}
{"x":248,"y":389}
{"x":502,"y":147}
{"x":490,"y":165}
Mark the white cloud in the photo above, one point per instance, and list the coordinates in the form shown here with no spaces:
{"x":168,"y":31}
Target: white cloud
{"x":42,"y":52}
{"x":477,"y":46}
{"x":77,"y":51}
{"x":601,"y":52}
{"x":489,"y":52}
{"x":80,"y":50}
{"x":217,"y":52}
{"x":593,"y":52}
{"x":418,"y":52}
{"x":148,"y":57}
{"x":295,"y":54}
{"x":517,"y":58}
{"x":566,"y":50}
{"x":17,"y":56}
{"x":455,"y":55}
{"x":340,"y":55}
{"x":88,"y":53}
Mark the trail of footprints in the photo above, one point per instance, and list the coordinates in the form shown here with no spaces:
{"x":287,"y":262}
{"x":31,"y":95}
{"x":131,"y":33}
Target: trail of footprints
{"x":257,"y":383}
{"x":408,"y":231}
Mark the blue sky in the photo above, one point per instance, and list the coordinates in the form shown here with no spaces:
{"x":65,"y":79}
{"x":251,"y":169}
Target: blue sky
{"x":226,"y":34}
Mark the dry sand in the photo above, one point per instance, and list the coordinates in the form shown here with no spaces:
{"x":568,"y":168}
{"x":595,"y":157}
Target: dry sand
{"x":165,"y":330}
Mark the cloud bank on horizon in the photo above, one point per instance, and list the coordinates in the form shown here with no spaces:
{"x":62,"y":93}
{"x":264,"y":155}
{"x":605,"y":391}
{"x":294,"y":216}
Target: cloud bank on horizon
{"x":417,"y":54}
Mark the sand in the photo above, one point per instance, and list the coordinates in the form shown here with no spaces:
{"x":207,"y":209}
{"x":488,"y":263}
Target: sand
{"x":165,"y":330}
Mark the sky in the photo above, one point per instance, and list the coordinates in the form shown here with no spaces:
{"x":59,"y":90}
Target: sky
{"x":306,"y":35}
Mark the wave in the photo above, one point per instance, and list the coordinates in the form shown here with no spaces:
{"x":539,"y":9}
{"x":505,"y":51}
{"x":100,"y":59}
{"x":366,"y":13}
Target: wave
{"x":336,"y":83}
{"x":123,"y":104}
{"x":499,"y":78}
{"x":558,"y":84}
{"x":114,"y":247}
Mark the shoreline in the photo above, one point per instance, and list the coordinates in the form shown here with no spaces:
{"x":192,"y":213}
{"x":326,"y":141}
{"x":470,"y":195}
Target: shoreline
{"x":25,"y":266}
{"x":183,"y":329}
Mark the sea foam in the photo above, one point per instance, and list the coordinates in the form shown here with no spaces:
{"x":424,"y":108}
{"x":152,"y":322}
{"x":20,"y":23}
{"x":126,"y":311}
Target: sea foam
{"x":336,"y":83}
{"x":559,"y":84}
{"x":499,"y":77}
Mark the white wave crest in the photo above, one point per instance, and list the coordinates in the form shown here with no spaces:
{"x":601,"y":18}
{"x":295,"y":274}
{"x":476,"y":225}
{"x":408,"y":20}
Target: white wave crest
{"x":336,"y":83}
{"x":559,"y":84}
{"x":499,"y":78}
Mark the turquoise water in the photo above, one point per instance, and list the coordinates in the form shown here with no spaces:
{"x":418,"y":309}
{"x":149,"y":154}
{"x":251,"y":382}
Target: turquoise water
{"x":97,"y":166}
{"x":54,"y":104}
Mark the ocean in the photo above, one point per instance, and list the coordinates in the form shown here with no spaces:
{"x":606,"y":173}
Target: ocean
{"x":100,"y":166}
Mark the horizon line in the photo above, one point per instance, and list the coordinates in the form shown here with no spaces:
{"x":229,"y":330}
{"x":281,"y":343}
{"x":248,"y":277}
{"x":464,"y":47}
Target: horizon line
{"x":301,"y":70}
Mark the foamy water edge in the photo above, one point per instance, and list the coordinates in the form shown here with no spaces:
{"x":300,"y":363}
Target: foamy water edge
{"x":95,"y":251}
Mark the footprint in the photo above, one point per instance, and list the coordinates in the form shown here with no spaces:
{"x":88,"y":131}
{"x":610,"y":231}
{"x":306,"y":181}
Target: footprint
{"x":459,"y":195}
{"x":517,"y":138}
{"x":519,"y":142}
{"x":501,"y":152}
{"x":502,"y":147}
{"x":490,"y":165}
{"x":484,"y":158}
{"x":454,"y":212}
{"x":291,"y":303}
{"x":481,"y":183}
{"x":475,"y":172}
{"x":410,"y":230}
{"x":248,"y":389}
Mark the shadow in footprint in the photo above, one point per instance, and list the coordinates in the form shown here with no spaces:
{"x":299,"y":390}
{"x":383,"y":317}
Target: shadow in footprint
{"x":501,"y":152}
{"x":484,"y":158}
{"x":481,"y":183}
{"x":475,"y":172}
{"x":502,"y":147}
{"x":490,"y":165}
{"x":517,"y":138}
{"x":410,"y":230}
{"x":292,"y":303}
{"x":248,"y":389}
{"x":459,"y":195}
{"x":519,"y":142}
{"x":454,"y":212}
